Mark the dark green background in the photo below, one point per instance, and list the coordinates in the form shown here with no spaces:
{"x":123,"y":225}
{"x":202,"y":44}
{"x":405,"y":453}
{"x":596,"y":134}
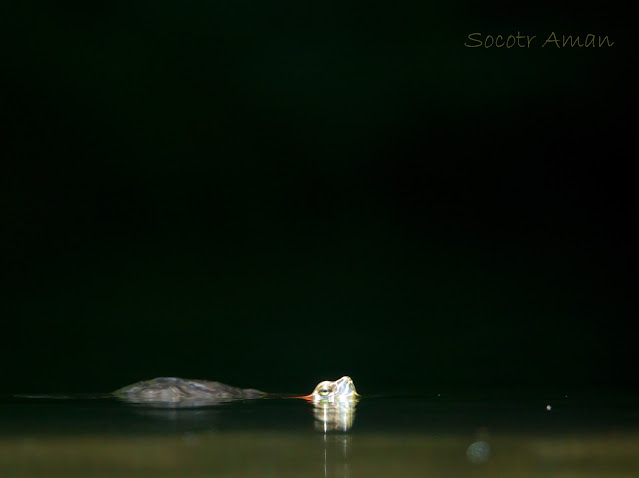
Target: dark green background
{"x":270,"y":194}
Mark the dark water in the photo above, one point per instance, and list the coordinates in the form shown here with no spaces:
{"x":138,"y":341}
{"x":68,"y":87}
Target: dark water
{"x":489,"y":434}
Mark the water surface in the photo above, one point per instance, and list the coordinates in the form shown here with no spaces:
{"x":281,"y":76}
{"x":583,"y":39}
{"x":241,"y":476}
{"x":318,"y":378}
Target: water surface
{"x":490,"y":434}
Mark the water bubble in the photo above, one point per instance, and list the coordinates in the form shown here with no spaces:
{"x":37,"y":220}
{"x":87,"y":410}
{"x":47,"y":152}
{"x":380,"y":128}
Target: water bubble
{"x":478,"y":452}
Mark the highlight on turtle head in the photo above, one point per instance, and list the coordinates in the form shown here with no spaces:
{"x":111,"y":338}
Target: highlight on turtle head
{"x":334,"y":391}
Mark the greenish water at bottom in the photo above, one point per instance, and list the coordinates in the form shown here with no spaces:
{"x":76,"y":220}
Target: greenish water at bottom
{"x":436,"y":435}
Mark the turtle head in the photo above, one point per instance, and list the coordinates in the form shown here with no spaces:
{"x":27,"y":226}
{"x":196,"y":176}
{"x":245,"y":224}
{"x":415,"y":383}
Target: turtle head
{"x":337,"y":391}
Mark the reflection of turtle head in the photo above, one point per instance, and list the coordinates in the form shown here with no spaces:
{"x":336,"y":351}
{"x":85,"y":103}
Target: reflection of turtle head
{"x":337,"y":391}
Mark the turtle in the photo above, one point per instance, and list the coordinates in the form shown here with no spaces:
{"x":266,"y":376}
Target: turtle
{"x":179,"y":392}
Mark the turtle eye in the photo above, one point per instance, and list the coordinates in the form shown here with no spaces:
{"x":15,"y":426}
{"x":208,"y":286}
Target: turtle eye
{"x":324,"y":391}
